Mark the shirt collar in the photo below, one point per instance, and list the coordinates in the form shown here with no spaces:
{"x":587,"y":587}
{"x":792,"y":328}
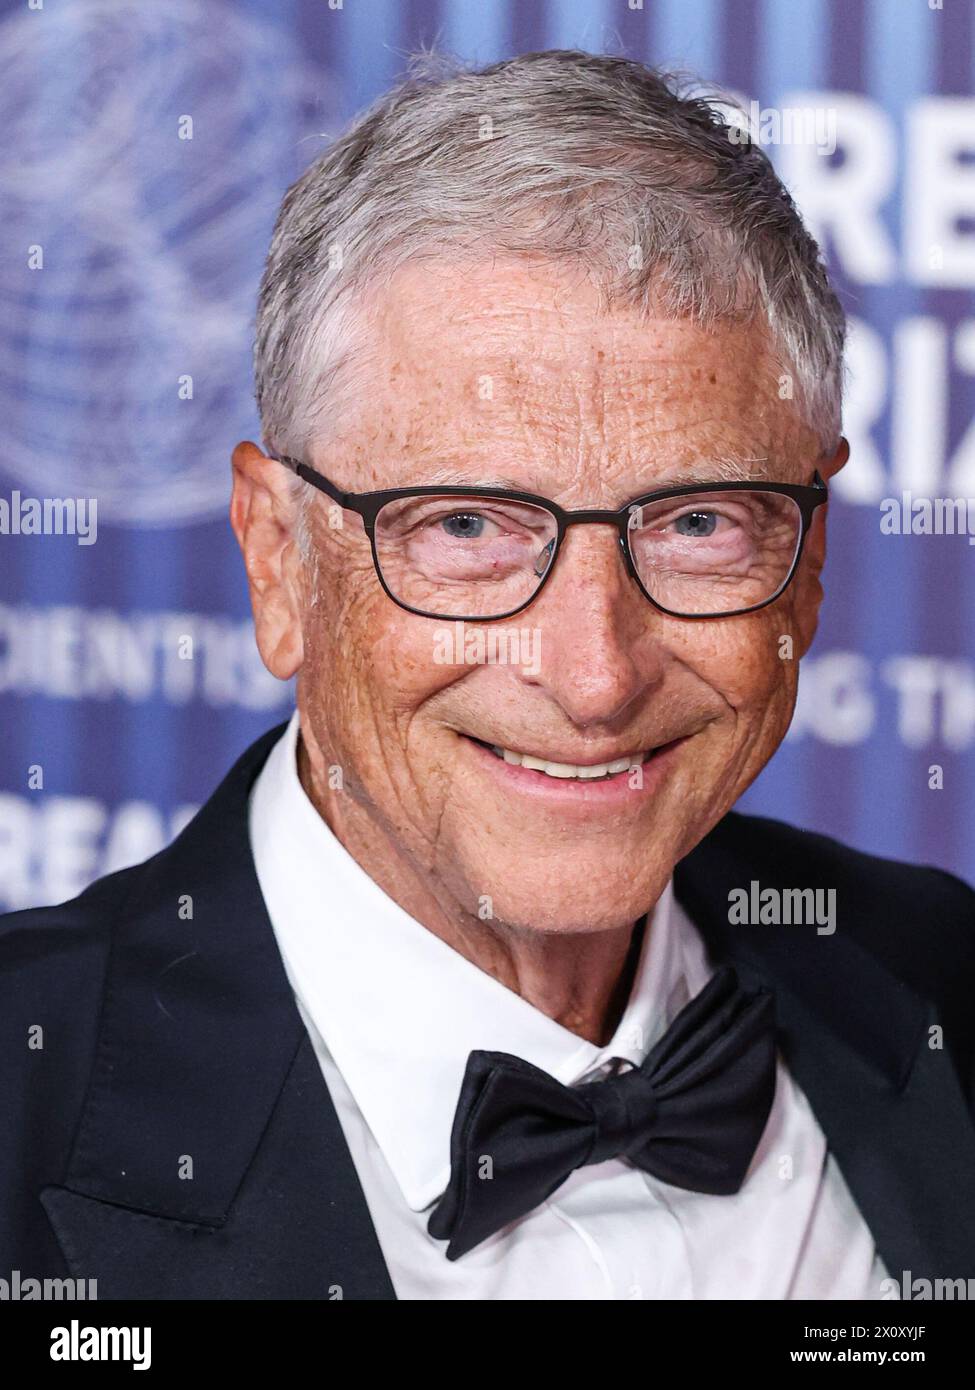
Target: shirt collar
{"x":398,"y":1009}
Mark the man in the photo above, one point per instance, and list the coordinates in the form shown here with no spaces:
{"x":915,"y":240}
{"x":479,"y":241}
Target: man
{"x":469,"y":983}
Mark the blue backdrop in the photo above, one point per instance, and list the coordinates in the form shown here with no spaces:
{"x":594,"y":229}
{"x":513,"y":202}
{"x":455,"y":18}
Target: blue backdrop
{"x":146,"y":147}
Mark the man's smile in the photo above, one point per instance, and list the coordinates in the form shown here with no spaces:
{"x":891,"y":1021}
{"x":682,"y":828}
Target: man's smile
{"x":579,"y":770}
{"x":588,"y":783}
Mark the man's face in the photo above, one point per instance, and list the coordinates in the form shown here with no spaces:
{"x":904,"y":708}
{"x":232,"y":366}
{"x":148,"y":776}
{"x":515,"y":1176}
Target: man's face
{"x":510,"y":374}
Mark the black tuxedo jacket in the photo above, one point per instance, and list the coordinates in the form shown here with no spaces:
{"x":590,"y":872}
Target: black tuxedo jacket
{"x":172,"y":1040}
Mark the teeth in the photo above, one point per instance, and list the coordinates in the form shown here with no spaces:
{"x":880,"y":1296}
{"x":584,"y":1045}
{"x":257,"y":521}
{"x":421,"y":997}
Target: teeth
{"x":569,"y":769}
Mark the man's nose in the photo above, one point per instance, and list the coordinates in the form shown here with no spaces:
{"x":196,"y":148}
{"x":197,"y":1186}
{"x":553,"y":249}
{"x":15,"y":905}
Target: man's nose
{"x":601,"y":648}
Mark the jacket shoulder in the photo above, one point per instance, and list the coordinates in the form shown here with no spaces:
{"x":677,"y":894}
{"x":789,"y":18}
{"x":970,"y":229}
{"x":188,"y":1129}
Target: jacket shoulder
{"x":50,"y":942}
{"x":69,"y":939}
{"x":787,"y":845}
{"x":918,"y":918}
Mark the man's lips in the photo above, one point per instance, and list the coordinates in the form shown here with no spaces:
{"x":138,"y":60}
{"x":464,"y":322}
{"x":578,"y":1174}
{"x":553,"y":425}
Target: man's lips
{"x":567,"y":765}
{"x":640,"y":776}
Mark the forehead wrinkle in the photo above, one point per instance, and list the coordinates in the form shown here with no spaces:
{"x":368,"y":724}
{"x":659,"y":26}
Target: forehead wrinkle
{"x":728,"y":468}
{"x":450,"y":468}
{"x":620,"y":368}
{"x":622,"y":414}
{"x":552,"y":451}
{"x":596,"y":404}
{"x":483,"y":313}
{"x":584,"y":359}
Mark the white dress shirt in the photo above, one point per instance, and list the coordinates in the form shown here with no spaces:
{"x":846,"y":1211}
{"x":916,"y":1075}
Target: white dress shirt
{"x":393,"y":1013}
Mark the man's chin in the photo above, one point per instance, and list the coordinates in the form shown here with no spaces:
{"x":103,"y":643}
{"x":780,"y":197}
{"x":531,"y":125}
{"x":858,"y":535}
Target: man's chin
{"x":569,"y":895}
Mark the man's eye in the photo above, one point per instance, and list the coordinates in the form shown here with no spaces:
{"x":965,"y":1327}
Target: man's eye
{"x":464,"y":525}
{"x":697,"y":524}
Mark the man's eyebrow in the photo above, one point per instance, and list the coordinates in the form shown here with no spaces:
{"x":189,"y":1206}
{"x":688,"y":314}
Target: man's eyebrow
{"x":726,"y":468}
{"x":450,"y":475}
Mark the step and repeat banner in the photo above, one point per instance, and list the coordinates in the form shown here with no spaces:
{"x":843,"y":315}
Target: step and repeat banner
{"x":145,"y":148}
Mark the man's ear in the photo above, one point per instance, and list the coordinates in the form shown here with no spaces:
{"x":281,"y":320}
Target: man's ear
{"x":830,"y":466}
{"x":262,"y":516}
{"x":810,"y":592}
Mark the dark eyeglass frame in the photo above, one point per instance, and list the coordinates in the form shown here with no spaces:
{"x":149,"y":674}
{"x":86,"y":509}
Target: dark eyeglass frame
{"x":368,"y":505}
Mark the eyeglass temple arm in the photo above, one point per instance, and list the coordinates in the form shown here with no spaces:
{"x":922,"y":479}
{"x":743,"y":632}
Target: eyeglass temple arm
{"x":310,"y":475}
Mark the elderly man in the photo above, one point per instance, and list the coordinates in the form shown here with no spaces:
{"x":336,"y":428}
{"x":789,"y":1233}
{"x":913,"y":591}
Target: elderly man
{"x":469,"y":983}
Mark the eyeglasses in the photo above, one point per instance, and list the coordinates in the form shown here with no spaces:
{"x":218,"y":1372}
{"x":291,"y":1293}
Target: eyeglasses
{"x":480,"y":554}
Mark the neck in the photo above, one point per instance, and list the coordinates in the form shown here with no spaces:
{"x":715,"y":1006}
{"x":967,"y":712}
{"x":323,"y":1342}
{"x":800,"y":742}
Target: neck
{"x":580,"y":979}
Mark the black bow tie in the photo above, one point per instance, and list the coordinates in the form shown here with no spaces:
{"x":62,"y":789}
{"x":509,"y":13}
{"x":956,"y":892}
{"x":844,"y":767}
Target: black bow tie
{"x":691,"y":1114}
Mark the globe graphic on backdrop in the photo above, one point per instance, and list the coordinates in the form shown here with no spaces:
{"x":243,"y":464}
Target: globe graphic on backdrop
{"x":133,"y":253}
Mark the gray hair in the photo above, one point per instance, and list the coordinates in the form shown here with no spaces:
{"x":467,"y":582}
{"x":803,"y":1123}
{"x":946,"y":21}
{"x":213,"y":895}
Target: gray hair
{"x":565,"y":154}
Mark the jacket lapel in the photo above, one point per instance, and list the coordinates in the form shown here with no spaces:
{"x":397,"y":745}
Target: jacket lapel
{"x":856,"y":1039}
{"x":209,"y":1161}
